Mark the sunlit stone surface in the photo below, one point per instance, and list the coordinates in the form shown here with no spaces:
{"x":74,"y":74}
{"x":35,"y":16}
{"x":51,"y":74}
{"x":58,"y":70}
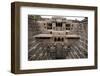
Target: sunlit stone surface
{"x":57,"y":38}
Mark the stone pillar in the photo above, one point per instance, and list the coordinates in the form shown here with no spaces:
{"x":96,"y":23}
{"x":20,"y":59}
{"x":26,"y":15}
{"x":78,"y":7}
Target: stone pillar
{"x":64,"y":27}
{"x":53,"y":26}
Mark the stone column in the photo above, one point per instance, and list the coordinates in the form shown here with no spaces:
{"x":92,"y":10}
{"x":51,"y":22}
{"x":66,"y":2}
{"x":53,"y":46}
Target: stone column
{"x":64,"y":27}
{"x":53,"y":26}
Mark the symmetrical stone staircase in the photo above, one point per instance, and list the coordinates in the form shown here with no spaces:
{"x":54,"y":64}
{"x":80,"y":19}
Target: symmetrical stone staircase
{"x":47,"y":51}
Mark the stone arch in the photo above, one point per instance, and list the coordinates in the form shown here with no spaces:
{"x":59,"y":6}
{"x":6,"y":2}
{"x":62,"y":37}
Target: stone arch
{"x":62,"y":39}
{"x":55,"y":39}
{"x":59,"y":39}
